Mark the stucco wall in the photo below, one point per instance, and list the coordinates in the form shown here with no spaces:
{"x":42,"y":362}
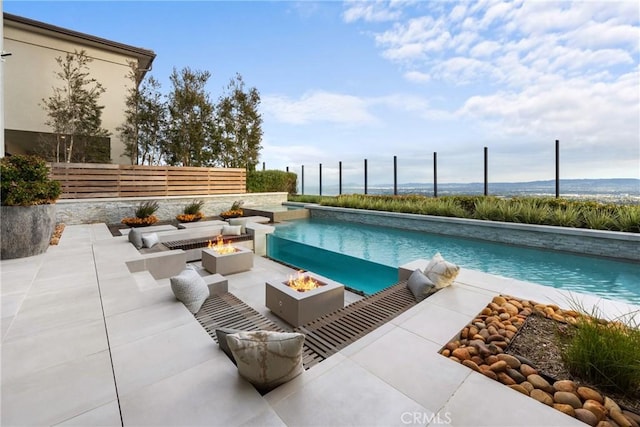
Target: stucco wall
{"x":111,"y":211}
{"x":609,"y":244}
{"x":29,"y":76}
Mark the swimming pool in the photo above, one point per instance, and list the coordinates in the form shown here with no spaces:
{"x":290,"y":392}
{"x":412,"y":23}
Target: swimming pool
{"x":365,"y":257}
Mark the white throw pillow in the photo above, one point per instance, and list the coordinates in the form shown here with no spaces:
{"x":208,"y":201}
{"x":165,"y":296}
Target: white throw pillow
{"x":190,"y":289}
{"x":135,"y":237}
{"x":231,"y":230}
{"x":420,"y":285}
{"x":239,"y":221}
{"x":441,"y":272}
{"x":267,"y":359}
{"x":149,"y":240}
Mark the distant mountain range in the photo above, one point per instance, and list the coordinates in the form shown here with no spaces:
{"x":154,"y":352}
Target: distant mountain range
{"x":616,"y":189}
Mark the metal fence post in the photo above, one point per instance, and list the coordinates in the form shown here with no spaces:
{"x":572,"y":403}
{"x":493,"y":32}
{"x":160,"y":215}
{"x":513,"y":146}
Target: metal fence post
{"x":365,"y":176}
{"x":557,"y":169}
{"x":320,"y":176}
{"x":486,"y":171}
{"x":302,"y":180}
{"x":339,"y":177}
{"x":435,"y":174}
{"x":395,"y":175}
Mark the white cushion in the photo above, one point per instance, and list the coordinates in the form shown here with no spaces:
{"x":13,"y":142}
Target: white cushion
{"x":267,"y":359}
{"x":420,"y":285}
{"x":231,"y":230}
{"x":135,"y":237}
{"x":149,"y":240}
{"x":239,"y":221}
{"x":190,"y":289}
{"x":441,"y":272}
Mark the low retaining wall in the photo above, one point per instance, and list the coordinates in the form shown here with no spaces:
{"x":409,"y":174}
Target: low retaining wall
{"x":111,"y":211}
{"x":610,"y":244}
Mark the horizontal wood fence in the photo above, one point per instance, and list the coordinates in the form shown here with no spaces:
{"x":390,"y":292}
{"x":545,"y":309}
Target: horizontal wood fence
{"x":90,"y":180}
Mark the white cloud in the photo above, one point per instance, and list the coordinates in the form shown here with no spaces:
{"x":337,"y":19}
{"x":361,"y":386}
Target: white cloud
{"x":318,"y":106}
{"x":484,"y":48}
{"x":417,"y":76}
{"x":372,"y":11}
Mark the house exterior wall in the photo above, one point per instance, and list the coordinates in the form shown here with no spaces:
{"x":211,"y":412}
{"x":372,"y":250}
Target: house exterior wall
{"x":29,"y":76}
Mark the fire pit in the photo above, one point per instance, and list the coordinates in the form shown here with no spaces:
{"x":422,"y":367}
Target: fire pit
{"x":224,"y":258}
{"x":304,"y":298}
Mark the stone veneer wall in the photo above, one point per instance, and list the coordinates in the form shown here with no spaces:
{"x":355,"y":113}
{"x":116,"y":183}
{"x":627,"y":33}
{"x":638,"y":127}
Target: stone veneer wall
{"x":111,"y":211}
{"x":611,"y":244}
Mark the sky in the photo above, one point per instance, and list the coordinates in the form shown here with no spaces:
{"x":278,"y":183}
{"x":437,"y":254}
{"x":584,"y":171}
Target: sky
{"x":354,"y":80}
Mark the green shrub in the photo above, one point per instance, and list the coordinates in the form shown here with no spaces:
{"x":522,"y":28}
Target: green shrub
{"x":531,"y":211}
{"x":606,"y":353}
{"x":627,"y":218}
{"x":565,"y":217}
{"x":487,"y":208}
{"x":193,"y":208}
{"x":146,"y":209}
{"x":25,"y":181}
{"x":596,"y":219}
{"x":271,"y":180}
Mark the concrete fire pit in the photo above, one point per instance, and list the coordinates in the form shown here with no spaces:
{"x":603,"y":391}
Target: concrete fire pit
{"x":240,"y":260}
{"x":298,"y":308}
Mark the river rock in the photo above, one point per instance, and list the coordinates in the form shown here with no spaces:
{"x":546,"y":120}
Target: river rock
{"x":567,"y":409}
{"x":538,"y":382}
{"x":519,"y":388}
{"x":446,"y":352}
{"x":542,"y":396}
{"x":484,"y":369}
{"x":471,"y":365}
{"x":619,"y":418}
{"x":587,"y":393}
{"x":490,"y":360}
{"x":605,"y":424}
{"x":565,"y":385}
{"x":597,"y":408}
{"x":499,"y":300}
{"x":586,"y":416}
{"x":527,"y":370}
{"x":505,"y":379}
{"x":516,"y":375}
{"x":499,"y":366}
{"x":528,"y":386}
{"x":568,"y":398}
{"x":611,"y":404}
{"x":452,"y":345}
{"x":632,"y":416}
{"x":461,"y":353}
{"x":513,"y":362}
{"x":510,"y":308}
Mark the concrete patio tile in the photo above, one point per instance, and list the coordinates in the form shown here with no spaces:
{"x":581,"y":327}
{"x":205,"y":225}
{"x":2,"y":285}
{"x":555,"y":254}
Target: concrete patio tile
{"x":371,"y":337}
{"x":23,"y":356}
{"x":13,"y":281}
{"x":11,"y":303}
{"x":61,"y":392}
{"x":484,"y":402}
{"x":204,"y":395}
{"x":27,"y":264}
{"x":435,"y":323}
{"x":267,"y":418}
{"x":103,"y":416}
{"x":460,"y":299}
{"x":55,"y":310}
{"x":144,"y":322}
{"x":124,"y":296}
{"x":482,"y":280}
{"x":5,"y":323}
{"x":57,"y":283}
{"x":415,"y":369}
{"x":154,"y":358}
{"x":52,"y":268}
{"x":346,"y":395}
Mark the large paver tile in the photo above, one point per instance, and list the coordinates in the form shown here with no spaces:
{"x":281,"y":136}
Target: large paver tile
{"x":483,"y":402}
{"x":147,"y":321}
{"x":104,"y":416}
{"x":5,"y":323}
{"x":120,"y":295}
{"x":27,"y":355}
{"x":204,"y":395}
{"x":346,"y":395}
{"x":54,"y":310}
{"x":58,"y":283}
{"x":59,"y":393}
{"x":436,"y":323}
{"x":10,"y":304}
{"x":267,"y":418}
{"x":461,"y":299}
{"x":412,"y":365}
{"x":154,"y":358}
{"x":16,"y":281}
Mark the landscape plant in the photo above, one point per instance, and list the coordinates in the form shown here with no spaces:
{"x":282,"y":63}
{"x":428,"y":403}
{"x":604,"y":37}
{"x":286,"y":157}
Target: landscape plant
{"x":192,"y":212}
{"x":234,"y":211}
{"x":606,"y":352}
{"x":25,"y":182}
{"x":144,"y":215}
{"x":530,"y":210}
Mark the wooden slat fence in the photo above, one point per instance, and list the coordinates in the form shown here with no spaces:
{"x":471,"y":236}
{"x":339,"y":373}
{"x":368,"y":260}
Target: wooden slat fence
{"x":91,"y":180}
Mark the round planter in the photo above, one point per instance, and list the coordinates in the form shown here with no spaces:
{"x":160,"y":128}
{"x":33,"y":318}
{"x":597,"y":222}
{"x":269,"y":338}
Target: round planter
{"x":26,"y":230}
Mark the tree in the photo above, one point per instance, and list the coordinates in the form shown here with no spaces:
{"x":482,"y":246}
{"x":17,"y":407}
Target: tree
{"x":239,"y":125}
{"x":191,"y":127}
{"x":73,"y":111}
{"x":143,"y":131}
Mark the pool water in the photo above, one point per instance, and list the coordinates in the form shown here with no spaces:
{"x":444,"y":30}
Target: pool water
{"x":366,"y":258}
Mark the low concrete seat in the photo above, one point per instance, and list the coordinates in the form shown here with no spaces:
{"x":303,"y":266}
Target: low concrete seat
{"x":160,"y":264}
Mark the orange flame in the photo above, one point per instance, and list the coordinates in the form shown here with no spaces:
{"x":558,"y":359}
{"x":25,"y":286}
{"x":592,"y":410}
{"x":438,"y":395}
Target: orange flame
{"x":302,"y":283}
{"x":220,"y":247}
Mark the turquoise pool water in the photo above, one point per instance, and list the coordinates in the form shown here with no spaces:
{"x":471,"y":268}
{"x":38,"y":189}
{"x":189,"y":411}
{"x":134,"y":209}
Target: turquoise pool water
{"x":366,"y":258}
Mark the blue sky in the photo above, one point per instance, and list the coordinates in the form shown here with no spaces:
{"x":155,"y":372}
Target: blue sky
{"x":345,"y":81}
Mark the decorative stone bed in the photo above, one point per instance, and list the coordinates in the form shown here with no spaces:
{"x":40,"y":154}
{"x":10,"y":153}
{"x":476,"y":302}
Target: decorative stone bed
{"x":482,"y":346}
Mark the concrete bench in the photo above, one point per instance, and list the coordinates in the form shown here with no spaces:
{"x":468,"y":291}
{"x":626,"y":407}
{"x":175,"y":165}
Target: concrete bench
{"x":160,"y":264}
{"x":258,"y":234}
{"x":199,"y":224}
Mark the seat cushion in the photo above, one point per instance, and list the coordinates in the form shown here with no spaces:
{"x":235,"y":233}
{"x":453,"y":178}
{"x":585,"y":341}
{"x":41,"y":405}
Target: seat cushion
{"x":135,"y":237}
{"x":420,"y":285}
{"x":267,"y":359}
{"x":190,"y":289}
{"x":441,"y":272}
{"x":231,"y":230}
{"x":149,"y":240}
{"x":221,"y":335}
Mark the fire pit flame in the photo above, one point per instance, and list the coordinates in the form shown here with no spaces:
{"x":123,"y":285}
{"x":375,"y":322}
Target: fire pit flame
{"x":302,"y":283}
{"x":220,"y":247}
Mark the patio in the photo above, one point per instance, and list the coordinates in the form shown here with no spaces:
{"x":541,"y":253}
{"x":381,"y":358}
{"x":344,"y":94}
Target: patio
{"x":86,"y":342}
